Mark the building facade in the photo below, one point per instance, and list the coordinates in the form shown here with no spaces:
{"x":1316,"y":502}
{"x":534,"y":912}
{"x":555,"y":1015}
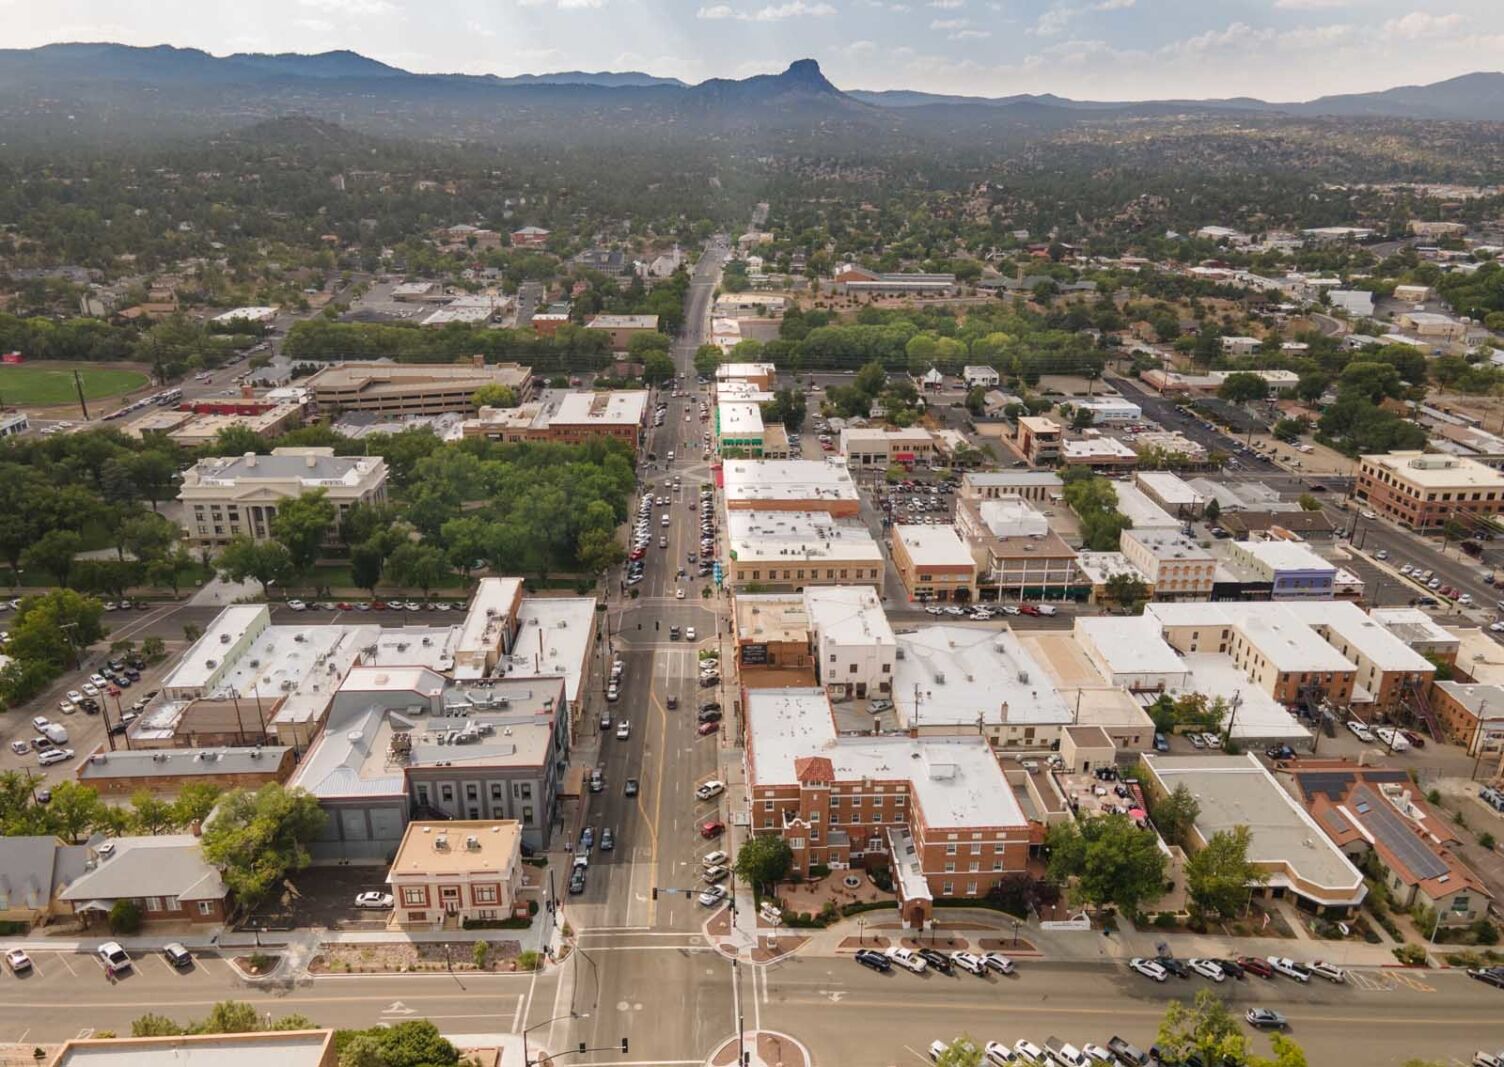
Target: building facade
{"x":934,"y":563}
{"x":227,"y":497}
{"x":412,"y":388}
{"x":1423,"y":490}
{"x":457,"y":871}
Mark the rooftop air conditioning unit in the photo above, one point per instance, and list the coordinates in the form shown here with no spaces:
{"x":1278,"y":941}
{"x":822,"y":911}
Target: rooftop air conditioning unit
{"x":255,"y":663}
{"x":472,"y":843}
{"x":442,"y":841}
{"x":211,"y":663}
{"x":224,"y":639}
{"x":299,"y":638}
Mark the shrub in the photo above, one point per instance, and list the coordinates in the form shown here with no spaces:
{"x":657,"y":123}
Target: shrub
{"x":125,"y":917}
{"x":1433,"y":796}
{"x":480,"y":952}
{"x":259,"y":962}
{"x":1165,"y":920}
{"x":1411,"y":955}
{"x":818,"y":870}
{"x":1485,"y":932}
{"x":528,"y":961}
{"x":1486,"y":840}
{"x":882,"y":878}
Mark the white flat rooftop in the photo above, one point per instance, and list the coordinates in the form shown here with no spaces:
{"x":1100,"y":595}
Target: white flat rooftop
{"x":1279,"y":633}
{"x":228,"y":627}
{"x":955,"y":781}
{"x":956,"y":674}
{"x":1286,"y":556}
{"x":1145,"y":513}
{"x":934,"y":546}
{"x":553,"y":638}
{"x":792,"y":536}
{"x":618,"y":407}
{"x":1131,"y":645}
{"x":848,"y":615}
{"x":738,"y":417}
{"x":1171,"y":488}
{"x":1259,"y":715}
{"x":788,"y":480}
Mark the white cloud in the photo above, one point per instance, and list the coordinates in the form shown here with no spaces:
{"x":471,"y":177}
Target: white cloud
{"x":564,"y":5}
{"x":1053,"y":22}
{"x":772,"y":13}
{"x":1420,"y":24}
{"x":351,"y":7}
{"x":1113,"y":5}
{"x":950,"y":24}
{"x":314,"y":25}
{"x":1236,"y":35}
{"x":970,"y":35}
{"x":947,"y":5}
{"x":1309,"y":5}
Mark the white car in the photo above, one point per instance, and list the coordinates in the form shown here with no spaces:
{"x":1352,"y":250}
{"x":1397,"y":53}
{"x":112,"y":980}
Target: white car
{"x":297,"y":605}
{"x":937,"y":1050}
{"x":1391,"y":736}
{"x":1097,"y":1054}
{"x":114,"y":956}
{"x":713,"y":896}
{"x":713,"y":859}
{"x":907,"y":958}
{"x":1330,"y":971}
{"x":77,"y":697}
{"x":18,"y":960}
{"x":1207,"y":969}
{"x":623,"y":730}
{"x":1150,"y":969}
{"x":1360,"y":730}
{"x":1028,"y":1052}
{"x":90,"y":689}
{"x":1289,"y":968}
{"x":689,"y":633}
{"x":373,"y":899}
{"x":712,"y":788}
{"x":54,"y":755}
{"x":998,"y":962}
{"x":98,"y":679}
{"x":997,"y":1054}
{"x":969,"y":962}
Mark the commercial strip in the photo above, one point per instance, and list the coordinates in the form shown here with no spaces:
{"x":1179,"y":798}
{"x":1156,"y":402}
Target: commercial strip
{"x":565,"y":417}
{"x":790,"y":485}
{"x":792,"y":549}
{"x":934,"y":563}
{"x":877,"y":448}
{"x":1017,"y":555}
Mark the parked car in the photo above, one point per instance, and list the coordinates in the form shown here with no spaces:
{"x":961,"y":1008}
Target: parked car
{"x":1493,"y":976}
{"x":373,"y":899}
{"x":938,"y":960}
{"x":866,"y":957}
{"x":1289,"y":968}
{"x":998,"y":962}
{"x":577,"y":881}
{"x":54,"y":755}
{"x":1148,"y":968}
{"x":1330,"y":971}
{"x":1126,"y":1052}
{"x":1256,"y":965}
{"x":114,"y":957}
{"x":176,"y":954}
{"x":712,"y":828}
{"x":968,"y":961}
{"x":712,"y":788}
{"x":1173,"y":966}
{"x":908,"y":959}
{"x":18,"y":961}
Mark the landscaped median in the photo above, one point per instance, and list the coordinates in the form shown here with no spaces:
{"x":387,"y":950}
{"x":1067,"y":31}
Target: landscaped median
{"x":417,"y":957}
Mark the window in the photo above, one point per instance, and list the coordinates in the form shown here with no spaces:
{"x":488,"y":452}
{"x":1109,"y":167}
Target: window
{"x":796,"y":843}
{"x":414,"y":896}
{"x":447,"y":792}
{"x":527,"y":814}
{"x":484,"y":894}
{"x":472,"y":792}
{"x":423,"y":795}
{"x":950,"y":866}
{"x":153,"y":903}
{"x":171,"y":904}
{"x":950,"y":850}
{"x":496,"y":791}
{"x":853,"y":668}
{"x":206,"y":907}
{"x":971,"y":889}
{"x":948,"y":889}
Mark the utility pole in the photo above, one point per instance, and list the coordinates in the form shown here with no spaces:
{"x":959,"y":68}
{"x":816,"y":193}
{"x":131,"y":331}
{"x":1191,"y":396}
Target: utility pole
{"x":78,"y":384}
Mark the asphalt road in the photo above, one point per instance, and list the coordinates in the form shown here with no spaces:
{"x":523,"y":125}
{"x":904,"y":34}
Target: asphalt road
{"x":848,"y":1014}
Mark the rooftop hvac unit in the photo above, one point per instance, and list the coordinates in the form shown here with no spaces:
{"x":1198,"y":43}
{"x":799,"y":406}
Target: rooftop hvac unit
{"x":224,"y":639}
{"x":211,"y":663}
{"x":442,"y":841}
{"x":255,"y":663}
{"x":472,"y":843}
{"x":1023,"y":677}
{"x":299,"y":638}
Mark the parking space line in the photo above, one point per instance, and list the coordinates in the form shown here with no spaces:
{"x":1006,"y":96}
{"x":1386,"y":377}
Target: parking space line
{"x":64,"y":961}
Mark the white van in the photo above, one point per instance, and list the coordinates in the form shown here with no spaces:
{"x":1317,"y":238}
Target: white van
{"x":54,"y":732}
{"x":908,"y":958}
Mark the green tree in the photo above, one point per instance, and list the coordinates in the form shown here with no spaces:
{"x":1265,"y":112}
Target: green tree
{"x":265,"y":561}
{"x":494,"y":395}
{"x":153,"y":649}
{"x":230,"y":1017}
{"x":1219,"y":876}
{"x":367,"y":561}
{"x":1287,"y":1053}
{"x":1108,"y":860}
{"x":962,"y":1052}
{"x":194,"y":802}
{"x":707,"y":359}
{"x":152,"y":1025}
{"x":237,"y":441}
{"x":302,"y":526}
{"x":125,"y":917}
{"x":149,"y":815}
{"x":52,"y":627}
{"x":1308,"y":502}
{"x":657,"y":367}
{"x":1176,"y":814}
{"x":1204,"y":1027}
{"x":1212,"y":511}
{"x":362,"y":1050}
{"x":73,"y":811}
{"x":764,"y":860}
{"x":1243,"y":388}
{"x":598,"y":550}
{"x":1127,"y":590}
{"x":257,"y":838}
{"x":417,"y":566}
{"x":54,"y":553}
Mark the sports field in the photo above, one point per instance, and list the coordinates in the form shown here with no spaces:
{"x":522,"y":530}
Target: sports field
{"x":47,"y":385}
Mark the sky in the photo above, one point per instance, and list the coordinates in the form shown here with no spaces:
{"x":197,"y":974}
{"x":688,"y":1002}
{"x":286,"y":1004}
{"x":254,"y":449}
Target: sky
{"x":1085,"y":49}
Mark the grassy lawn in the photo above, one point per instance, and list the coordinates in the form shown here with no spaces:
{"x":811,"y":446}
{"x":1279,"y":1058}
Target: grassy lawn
{"x":38,"y":385}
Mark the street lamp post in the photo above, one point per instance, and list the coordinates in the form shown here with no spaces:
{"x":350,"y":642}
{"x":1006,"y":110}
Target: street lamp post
{"x":567,"y":1015}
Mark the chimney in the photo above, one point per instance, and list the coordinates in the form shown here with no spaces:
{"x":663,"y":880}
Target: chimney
{"x":250,"y":459}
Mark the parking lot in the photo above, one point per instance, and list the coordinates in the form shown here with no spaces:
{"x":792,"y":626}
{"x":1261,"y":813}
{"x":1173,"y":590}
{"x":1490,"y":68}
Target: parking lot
{"x":323,"y":897}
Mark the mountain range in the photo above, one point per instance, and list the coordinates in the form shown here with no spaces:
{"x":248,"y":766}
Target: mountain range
{"x":103,"y":89}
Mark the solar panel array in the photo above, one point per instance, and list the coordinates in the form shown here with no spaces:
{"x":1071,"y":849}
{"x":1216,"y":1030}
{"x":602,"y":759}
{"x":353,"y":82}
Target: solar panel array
{"x":1390,"y":828}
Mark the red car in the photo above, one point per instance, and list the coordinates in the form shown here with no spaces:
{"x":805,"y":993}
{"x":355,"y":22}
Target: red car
{"x":1028,"y":609}
{"x":713,"y":828}
{"x":345,"y":606}
{"x":708,"y":728}
{"x":1255,"y":965}
{"x":637,"y":553}
{"x":378,"y":605}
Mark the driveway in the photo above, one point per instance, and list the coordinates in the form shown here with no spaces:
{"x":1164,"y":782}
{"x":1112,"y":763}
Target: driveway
{"x":323,"y":897}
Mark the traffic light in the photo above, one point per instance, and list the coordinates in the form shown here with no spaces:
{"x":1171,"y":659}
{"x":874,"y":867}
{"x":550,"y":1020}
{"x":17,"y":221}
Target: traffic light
{"x":623,"y":1046}
{"x":655,"y":892}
